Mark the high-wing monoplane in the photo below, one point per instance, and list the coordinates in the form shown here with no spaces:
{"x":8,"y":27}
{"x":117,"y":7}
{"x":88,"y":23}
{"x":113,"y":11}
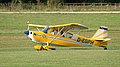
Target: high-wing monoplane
{"x":61,"y":35}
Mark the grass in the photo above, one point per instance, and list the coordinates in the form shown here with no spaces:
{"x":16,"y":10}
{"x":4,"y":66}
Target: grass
{"x":27,"y":57}
{"x":16,"y":49}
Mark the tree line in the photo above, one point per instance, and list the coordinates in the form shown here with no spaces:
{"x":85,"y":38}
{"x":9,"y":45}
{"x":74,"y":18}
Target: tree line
{"x":92,"y":1}
{"x":59,"y":1}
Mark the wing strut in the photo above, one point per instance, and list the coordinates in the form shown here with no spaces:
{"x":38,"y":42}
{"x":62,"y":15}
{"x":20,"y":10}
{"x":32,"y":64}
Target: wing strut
{"x":57,"y":34}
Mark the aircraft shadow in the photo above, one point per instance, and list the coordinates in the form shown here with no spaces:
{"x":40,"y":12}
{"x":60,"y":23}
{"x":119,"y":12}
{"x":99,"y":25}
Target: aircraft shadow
{"x":79,"y":48}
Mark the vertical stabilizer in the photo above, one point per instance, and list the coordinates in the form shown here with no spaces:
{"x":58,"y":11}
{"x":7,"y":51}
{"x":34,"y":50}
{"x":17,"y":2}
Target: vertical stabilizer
{"x":102,"y":33}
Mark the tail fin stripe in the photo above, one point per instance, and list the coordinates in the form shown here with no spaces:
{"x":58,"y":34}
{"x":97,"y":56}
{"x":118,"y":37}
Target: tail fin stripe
{"x":100,"y":34}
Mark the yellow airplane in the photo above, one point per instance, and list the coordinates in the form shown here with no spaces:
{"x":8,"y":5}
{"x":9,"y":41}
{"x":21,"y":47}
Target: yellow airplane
{"x":60,"y":35}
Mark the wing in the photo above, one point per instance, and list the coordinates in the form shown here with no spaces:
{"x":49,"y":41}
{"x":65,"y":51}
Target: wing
{"x":70,"y":26}
{"x":37,"y":26}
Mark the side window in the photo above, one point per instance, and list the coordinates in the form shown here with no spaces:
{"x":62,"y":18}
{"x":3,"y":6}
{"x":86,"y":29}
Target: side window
{"x":53,"y":32}
{"x":69,"y":35}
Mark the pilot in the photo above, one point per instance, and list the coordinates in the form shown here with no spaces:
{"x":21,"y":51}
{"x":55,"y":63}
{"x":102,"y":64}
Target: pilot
{"x":70,"y":36}
{"x":53,"y":32}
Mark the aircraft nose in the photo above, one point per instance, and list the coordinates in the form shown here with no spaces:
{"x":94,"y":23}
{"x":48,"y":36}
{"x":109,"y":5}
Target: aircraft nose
{"x":26,"y":32}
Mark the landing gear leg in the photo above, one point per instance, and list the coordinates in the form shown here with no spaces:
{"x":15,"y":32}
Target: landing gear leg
{"x":41,"y":48}
{"x":44,"y":47}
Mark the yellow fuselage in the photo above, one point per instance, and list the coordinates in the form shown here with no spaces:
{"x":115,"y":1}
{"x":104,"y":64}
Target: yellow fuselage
{"x":42,"y":37}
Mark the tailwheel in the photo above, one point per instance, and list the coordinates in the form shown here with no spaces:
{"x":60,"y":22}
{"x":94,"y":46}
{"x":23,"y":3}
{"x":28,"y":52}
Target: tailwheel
{"x":105,"y":48}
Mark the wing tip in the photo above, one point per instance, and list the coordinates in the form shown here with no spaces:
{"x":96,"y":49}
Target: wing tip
{"x":83,"y":26}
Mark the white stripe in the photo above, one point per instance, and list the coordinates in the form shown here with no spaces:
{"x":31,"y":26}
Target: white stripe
{"x":83,"y":44}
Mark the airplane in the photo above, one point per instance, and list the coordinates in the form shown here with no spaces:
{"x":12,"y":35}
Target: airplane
{"x":60,"y":35}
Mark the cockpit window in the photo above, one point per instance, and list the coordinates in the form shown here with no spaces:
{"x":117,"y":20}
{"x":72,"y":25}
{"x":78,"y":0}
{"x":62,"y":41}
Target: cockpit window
{"x":69,"y":35}
{"x":53,"y":32}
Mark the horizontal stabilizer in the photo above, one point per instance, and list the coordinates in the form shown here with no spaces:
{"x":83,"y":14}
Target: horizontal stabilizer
{"x":106,"y":39}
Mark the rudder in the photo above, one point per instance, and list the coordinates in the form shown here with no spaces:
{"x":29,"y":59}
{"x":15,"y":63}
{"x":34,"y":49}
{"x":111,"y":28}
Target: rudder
{"x":102,"y":33}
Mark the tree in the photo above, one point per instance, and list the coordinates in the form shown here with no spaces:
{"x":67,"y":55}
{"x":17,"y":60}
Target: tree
{"x":5,"y":1}
{"x":53,"y":3}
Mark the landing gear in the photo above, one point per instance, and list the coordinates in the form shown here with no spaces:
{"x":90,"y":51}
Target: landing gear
{"x":44,"y":47}
{"x":105,"y":48}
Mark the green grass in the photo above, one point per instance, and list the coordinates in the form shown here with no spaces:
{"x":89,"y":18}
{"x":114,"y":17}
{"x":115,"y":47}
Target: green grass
{"x":16,"y":49}
{"x":27,"y":57}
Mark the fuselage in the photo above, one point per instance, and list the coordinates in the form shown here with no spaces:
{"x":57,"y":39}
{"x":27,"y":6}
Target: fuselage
{"x":63,"y":39}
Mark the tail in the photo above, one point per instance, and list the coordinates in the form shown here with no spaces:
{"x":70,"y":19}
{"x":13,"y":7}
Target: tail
{"x":101,"y":34}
